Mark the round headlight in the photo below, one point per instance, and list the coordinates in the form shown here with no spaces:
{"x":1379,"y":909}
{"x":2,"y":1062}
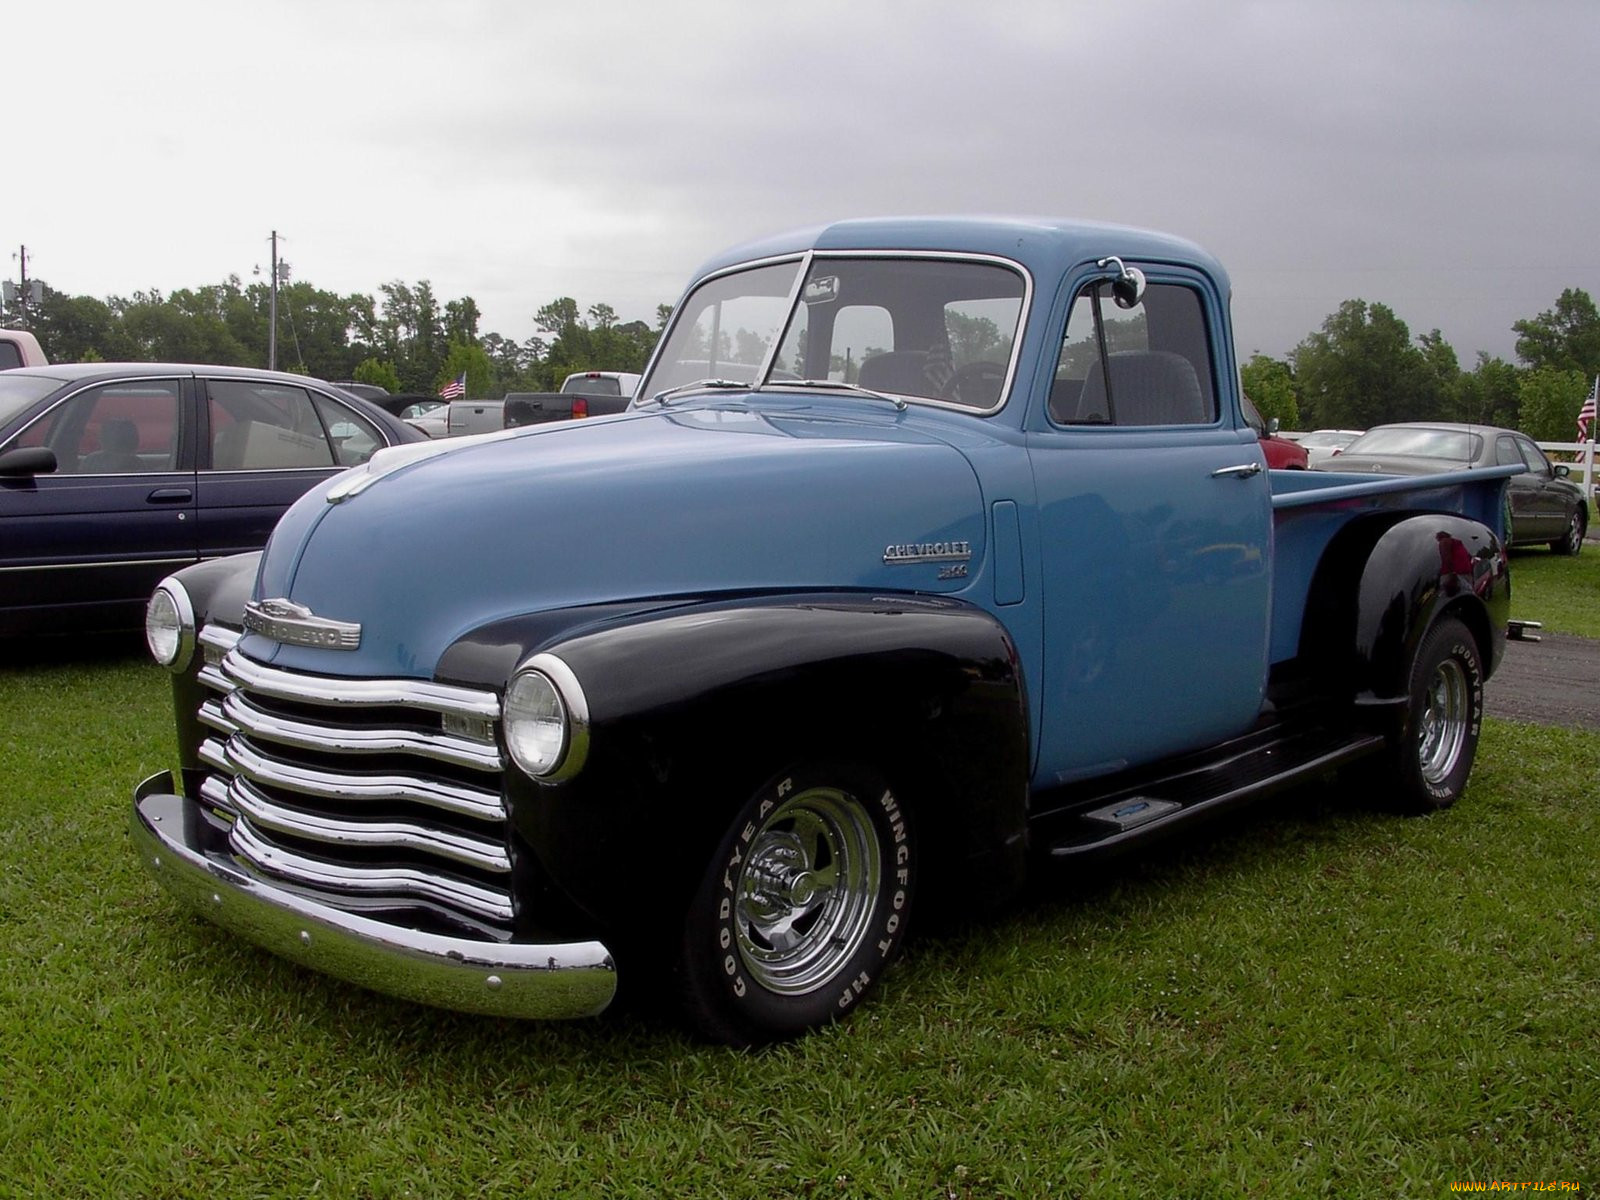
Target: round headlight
{"x":169,"y":628}
{"x":535,"y":723}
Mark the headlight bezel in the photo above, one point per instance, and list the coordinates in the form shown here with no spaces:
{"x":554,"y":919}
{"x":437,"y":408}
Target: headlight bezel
{"x":547,"y":671}
{"x":183,"y":635}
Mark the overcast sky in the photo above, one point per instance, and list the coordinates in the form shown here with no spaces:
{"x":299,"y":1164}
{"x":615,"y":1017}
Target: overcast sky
{"x":1438,"y":156}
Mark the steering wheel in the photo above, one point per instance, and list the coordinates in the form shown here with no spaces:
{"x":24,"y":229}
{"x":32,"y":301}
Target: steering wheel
{"x":977,"y":384}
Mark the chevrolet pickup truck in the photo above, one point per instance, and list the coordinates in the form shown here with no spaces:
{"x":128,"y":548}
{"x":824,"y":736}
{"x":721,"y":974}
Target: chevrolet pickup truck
{"x":931,"y":555}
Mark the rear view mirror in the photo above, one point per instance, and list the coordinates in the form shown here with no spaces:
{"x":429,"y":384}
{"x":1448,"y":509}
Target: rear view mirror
{"x":27,"y":460}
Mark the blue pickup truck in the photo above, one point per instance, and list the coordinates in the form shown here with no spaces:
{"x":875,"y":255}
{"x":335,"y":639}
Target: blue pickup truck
{"x":932,"y":554}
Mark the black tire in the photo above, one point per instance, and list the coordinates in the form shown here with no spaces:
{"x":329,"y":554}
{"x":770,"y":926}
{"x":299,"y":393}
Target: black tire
{"x":803,"y":906}
{"x":1431,"y":755}
{"x":1571,"y":542}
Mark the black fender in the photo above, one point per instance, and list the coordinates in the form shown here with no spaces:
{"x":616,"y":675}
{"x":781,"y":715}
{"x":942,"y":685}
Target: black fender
{"x":1381,"y":585}
{"x":692,"y":706}
{"x":218,"y":590}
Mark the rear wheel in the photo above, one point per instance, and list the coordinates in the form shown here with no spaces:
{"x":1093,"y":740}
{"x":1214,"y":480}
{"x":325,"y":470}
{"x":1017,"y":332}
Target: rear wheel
{"x":1571,"y":542}
{"x":802,"y":907}
{"x":1431,"y":754}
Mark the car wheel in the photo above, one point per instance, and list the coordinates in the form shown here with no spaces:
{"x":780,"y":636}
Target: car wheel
{"x":802,"y":907}
{"x":1571,"y":542}
{"x":1431,"y":753}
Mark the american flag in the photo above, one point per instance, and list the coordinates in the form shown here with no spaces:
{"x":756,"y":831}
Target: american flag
{"x":455,"y":389}
{"x":1586,"y":413}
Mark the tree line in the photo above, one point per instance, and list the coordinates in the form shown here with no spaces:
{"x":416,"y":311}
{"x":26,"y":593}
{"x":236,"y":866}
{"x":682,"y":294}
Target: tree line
{"x":405,"y":339}
{"x":1362,"y":368}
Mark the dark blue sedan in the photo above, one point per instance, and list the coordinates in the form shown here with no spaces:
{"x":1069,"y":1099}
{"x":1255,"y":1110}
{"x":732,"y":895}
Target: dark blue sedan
{"x":114,"y":475}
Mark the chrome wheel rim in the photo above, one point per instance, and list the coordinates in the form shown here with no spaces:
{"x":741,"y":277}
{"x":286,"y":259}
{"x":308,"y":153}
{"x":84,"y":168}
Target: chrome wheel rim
{"x":1574,"y":533}
{"x":807,"y":890}
{"x":1445,"y":718}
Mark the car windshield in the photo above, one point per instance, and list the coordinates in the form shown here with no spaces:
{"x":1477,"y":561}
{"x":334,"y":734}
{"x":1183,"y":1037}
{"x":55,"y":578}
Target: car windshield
{"x":1455,"y":444}
{"x":1325,"y":438}
{"x":19,"y":389}
{"x":935,"y":329}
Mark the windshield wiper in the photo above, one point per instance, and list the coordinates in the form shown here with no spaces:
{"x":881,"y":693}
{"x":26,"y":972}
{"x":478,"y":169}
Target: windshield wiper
{"x":839,"y":385}
{"x":698,"y":385}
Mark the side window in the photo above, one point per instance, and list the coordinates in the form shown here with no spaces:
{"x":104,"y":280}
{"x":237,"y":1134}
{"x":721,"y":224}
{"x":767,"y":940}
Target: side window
{"x":354,"y":437}
{"x":1534,"y":457}
{"x":1506,"y":453}
{"x":10,"y":355}
{"x":1145,"y":365}
{"x":114,"y":429}
{"x":264,"y":426}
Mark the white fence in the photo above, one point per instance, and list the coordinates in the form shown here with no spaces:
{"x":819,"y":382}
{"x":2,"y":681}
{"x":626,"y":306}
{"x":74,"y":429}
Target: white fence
{"x":1583,"y":470}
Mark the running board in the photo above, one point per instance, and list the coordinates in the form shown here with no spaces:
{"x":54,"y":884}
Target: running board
{"x":1197,"y":787}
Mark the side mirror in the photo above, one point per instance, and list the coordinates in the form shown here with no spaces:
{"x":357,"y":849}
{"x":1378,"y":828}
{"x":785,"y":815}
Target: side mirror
{"x":1127,"y":288}
{"x":1563,"y":471}
{"x":27,"y":460}
{"x":1273,"y":426}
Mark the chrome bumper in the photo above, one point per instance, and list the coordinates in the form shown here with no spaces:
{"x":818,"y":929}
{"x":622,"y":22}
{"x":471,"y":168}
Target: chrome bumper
{"x":566,"y":979}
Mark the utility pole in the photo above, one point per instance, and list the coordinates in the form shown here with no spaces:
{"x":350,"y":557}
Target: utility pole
{"x":24,"y":294}
{"x":272,"y":324}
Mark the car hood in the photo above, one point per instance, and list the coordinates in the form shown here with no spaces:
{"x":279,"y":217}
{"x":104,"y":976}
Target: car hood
{"x":704,"y":500}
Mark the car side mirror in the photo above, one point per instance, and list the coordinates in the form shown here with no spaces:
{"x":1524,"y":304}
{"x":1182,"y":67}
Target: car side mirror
{"x":1563,"y":471}
{"x":1273,"y":425}
{"x":1127,"y":286}
{"x":27,"y":460}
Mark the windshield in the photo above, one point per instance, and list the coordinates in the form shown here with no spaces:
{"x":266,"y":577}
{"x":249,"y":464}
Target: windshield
{"x":1455,"y":444}
{"x":18,"y":390}
{"x":934,"y":329}
{"x":1322,"y":439}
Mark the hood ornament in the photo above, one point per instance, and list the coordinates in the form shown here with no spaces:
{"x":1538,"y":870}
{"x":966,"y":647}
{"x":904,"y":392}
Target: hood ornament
{"x":296,"y":625}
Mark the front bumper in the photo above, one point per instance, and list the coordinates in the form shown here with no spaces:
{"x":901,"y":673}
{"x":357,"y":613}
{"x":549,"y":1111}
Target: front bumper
{"x":565,"y":979}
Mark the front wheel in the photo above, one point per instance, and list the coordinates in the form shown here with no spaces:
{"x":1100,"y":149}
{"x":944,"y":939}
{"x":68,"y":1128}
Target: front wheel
{"x":1571,"y":542}
{"x":802,"y":907}
{"x":1431,"y":755}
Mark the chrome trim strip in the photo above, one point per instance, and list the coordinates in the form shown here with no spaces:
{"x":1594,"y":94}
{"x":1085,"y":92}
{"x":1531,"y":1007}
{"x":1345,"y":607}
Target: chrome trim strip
{"x":442,"y":747}
{"x":262,"y":813}
{"x":539,"y":980}
{"x":212,"y":678}
{"x":215,"y":754}
{"x":221,"y":636}
{"x":339,"y":692}
{"x":241,"y":758}
{"x":210,"y":713}
{"x":401,"y":883}
{"x":118,"y":562}
{"x":215,"y":792}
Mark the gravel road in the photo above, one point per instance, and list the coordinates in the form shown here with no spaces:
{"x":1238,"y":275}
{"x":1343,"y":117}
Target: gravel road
{"x":1555,"y":681}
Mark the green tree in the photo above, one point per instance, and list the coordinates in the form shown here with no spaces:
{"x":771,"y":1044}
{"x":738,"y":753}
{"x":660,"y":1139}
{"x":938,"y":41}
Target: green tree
{"x":1269,"y":382}
{"x":1565,"y":338}
{"x":78,"y":329}
{"x":1550,"y":399}
{"x":1361,"y":369}
{"x":1490,"y":394}
{"x":381,"y":374}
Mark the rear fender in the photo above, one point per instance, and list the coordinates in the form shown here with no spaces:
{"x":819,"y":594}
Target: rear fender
{"x":1381,"y":585}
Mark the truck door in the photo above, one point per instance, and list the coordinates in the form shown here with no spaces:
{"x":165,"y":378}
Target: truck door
{"x":1155,"y":521}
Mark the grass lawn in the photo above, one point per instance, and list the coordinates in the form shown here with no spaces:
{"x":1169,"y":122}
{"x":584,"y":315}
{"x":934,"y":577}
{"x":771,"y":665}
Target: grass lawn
{"x":1562,"y":592}
{"x":1313,"y":999}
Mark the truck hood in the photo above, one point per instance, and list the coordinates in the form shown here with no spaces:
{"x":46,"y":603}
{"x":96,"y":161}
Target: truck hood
{"x":702,"y":500}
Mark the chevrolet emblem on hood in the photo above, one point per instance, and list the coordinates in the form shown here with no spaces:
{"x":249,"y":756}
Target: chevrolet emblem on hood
{"x":296,"y":625}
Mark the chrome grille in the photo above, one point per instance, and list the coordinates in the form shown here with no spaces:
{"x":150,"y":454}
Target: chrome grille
{"x":370,"y":793}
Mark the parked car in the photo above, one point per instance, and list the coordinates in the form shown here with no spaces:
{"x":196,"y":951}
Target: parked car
{"x":1282,"y":454}
{"x":1546,"y":506}
{"x":19,"y":348}
{"x":582,"y":394}
{"x":112,"y":475}
{"x":1323,"y":444}
{"x":432,"y":416}
{"x":376,"y":393}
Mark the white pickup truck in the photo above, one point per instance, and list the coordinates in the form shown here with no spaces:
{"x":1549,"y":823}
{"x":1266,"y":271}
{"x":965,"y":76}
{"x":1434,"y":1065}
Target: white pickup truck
{"x":19,"y":348}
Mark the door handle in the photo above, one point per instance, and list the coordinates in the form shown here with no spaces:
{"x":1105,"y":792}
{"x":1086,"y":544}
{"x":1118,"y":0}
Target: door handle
{"x":1242,"y":471}
{"x":171,"y":495}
